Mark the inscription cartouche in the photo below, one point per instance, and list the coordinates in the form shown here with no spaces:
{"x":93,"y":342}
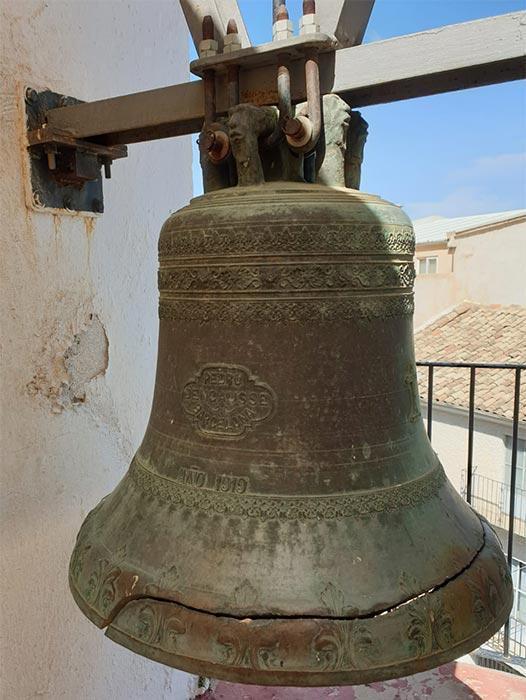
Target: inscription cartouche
{"x":226,"y":401}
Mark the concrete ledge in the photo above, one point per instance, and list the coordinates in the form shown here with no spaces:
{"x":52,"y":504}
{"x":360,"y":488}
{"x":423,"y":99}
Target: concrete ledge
{"x":454,"y":681}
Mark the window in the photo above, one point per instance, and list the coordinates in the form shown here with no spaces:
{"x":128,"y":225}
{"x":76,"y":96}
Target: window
{"x":520,"y":479}
{"x":518,"y":574}
{"x":427,"y":266}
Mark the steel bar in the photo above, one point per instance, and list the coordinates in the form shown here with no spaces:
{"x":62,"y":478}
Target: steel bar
{"x":430,"y":401}
{"x":513,"y":483}
{"x":346,"y":19}
{"x":471,"y":426}
{"x":456,"y":57}
{"x":468,"y":365}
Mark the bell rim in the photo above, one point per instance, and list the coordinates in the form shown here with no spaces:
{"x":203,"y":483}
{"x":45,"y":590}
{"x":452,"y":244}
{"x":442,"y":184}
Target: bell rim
{"x":325,"y":640}
{"x":306,"y":678}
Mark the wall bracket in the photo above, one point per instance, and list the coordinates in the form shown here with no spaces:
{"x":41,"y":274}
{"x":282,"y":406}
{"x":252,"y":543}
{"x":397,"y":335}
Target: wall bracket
{"x":65,"y":171}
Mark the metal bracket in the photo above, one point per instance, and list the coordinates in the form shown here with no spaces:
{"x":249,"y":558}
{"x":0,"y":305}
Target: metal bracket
{"x":65,"y":171}
{"x":265,"y":54}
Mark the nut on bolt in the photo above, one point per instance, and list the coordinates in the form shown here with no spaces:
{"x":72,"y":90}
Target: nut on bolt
{"x":297,"y":130}
{"x":208,"y":46}
{"x":308,"y":23}
{"x":282,"y":27}
{"x":31,"y":95}
{"x":231,"y":40}
{"x":37,"y":199}
{"x":217,"y":144}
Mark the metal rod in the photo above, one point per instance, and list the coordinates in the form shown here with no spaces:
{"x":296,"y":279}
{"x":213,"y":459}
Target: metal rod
{"x":312,"y":87}
{"x":232,"y":77}
{"x":513,"y":482}
{"x":284,"y":99}
{"x":232,"y":72}
{"x":429,"y":401}
{"x":471,"y":422}
{"x":279,"y":10}
{"x":468,"y":365}
{"x":209,"y":82}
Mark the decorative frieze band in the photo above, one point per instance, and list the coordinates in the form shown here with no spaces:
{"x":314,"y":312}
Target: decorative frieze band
{"x":272,"y":239}
{"x":245,"y":505}
{"x":306,"y":276}
{"x":320,"y":310}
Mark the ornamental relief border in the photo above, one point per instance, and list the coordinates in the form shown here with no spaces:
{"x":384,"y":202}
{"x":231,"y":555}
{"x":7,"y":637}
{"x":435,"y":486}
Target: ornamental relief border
{"x":271,"y":238}
{"x":246,"y":505}
{"x":296,"y":277}
{"x":423,"y":628}
{"x":321,"y":310}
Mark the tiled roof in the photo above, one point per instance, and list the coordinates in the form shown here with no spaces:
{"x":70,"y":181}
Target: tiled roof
{"x":475,"y":333}
{"x":433,"y":229}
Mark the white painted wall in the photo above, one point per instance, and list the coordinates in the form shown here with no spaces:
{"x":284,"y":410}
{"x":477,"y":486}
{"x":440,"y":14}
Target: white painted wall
{"x":450,"y":442}
{"x":488,"y":268}
{"x":59,"y":457}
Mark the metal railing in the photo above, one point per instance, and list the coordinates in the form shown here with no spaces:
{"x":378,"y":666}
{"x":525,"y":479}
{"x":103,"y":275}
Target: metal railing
{"x":491,"y":497}
{"x":504,"y":639}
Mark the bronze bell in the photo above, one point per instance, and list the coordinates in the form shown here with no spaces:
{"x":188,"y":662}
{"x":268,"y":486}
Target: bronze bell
{"x":285,"y":520}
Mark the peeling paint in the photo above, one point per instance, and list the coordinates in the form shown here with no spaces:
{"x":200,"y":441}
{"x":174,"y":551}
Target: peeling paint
{"x":454,"y":681}
{"x":64,"y":378}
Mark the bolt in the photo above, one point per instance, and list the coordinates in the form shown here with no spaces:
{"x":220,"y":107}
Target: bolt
{"x":282,"y":12}
{"x":292,"y":127}
{"x":37,"y":199}
{"x":31,"y":95}
{"x":206,"y":141}
{"x":67,"y":202}
{"x":208,"y":27}
{"x":51,"y":160}
{"x":231,"y":27}
{"x":97,"y":205}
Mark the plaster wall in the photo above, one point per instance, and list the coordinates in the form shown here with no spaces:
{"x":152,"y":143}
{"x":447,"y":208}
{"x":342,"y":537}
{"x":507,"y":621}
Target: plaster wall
{"x":490,"y":498}
{"x":444,"y":255}
{"x":79,"y":335}
{"x":487,"y":268}
{"x":492,"y":266}
{"x":450,"y":442}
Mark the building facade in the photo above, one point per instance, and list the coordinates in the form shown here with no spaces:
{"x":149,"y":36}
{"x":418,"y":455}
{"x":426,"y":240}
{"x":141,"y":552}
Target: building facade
{"x":480,"y":258}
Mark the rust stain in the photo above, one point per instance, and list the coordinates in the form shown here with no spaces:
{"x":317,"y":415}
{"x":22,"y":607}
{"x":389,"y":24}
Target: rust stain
{"x":259,"y":97}
{"x":89,"y":225}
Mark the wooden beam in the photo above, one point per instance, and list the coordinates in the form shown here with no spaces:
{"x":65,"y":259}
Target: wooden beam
{"x":455,"y":57}
{"x":346,"y":20}
{"x":220,"y":11}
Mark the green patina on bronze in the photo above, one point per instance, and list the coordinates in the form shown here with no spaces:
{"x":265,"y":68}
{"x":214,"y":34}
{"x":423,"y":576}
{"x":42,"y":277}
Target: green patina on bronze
{"x":285,"y":520}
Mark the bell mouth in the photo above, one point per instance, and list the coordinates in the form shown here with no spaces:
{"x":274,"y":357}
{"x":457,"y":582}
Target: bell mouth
{"x":429,"y":630}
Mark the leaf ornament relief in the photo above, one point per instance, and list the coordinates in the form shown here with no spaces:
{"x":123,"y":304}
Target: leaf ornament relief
{"x":332,"y":646}
{"x":430,"y":627}
{"x":342,"y":644}
{"x":237,"y":651}
{"x":155,"y":629}
{"x":78,"y":560}
{"x":333,"y":599}
{"x":100,"y":590}
{"x":485,"y":596}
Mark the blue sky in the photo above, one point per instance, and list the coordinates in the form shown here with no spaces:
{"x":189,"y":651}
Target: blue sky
{"x":454,"y":154}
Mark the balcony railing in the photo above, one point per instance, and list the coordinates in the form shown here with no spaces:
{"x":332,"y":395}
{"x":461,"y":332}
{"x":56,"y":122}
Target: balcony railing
{"x":511,"y":639}
{"x":491,"y":499}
